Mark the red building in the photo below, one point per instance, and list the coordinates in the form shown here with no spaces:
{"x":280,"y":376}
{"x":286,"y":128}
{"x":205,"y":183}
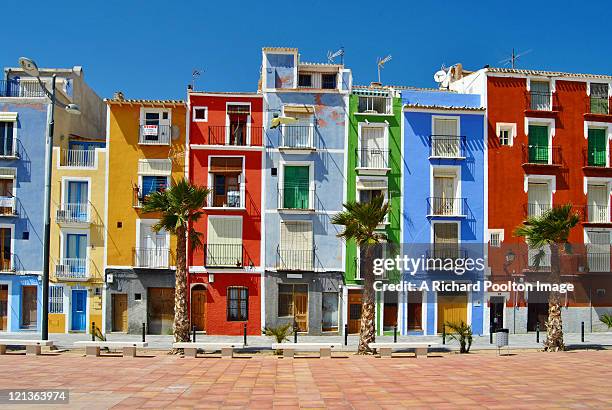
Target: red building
{"x":548,"y":144}
{"x":225,"y":154}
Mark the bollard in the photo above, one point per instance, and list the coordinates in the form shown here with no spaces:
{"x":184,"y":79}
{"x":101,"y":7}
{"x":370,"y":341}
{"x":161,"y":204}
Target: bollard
{"x":491,"y":335}
{"x":93,"y":331}
{"x":245,"y":334}
{"x":193,"y":332}
{"x":582,"y":332}
{"x":144,"y":332}
{"x":346,"y":334}
{"x":395,"y":334}
{"x":295,"y":329}
{"x":538,"y":332}
{"x":444,"y":335}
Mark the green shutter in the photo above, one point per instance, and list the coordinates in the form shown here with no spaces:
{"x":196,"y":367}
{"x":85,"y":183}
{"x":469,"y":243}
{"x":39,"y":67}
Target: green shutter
{"x":597,"y":147}
{"x":538,"y":144}
{"x":297,"y":182}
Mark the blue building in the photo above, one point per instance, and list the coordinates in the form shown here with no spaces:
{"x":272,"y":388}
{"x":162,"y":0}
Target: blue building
{"x":305,"y":116}
{"x":24,"y":115}
{"x":444,"y":202}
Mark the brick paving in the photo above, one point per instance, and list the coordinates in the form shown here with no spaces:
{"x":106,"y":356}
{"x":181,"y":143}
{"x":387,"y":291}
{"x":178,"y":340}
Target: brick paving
{"x":578,"y":379}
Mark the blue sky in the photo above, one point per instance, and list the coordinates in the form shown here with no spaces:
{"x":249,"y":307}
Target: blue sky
{"x":148,"y":49}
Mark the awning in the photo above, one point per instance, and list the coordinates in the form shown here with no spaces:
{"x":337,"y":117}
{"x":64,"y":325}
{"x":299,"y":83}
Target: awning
{"x":299,"y":109}
{"x":371,"y":183}
{"x":226,"y":164}
{"x":8,"y":116}
{"x":157,"y":167}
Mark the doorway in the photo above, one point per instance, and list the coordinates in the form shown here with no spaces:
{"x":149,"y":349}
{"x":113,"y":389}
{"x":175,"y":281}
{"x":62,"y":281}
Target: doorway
{"x":452,"y":307}
{"x":3,"y":307}
{"x":160,"y":303}
{"x":120,"y":312}
{"x":537,"y":310}
{"x":496,"y":309}
{"x":354,"y":313}
{"x":79,"y":310}
{"x":29,"y":300}
{"x":198,"y":307}
{"x":390,"y":310}
{"x":415,"y":311}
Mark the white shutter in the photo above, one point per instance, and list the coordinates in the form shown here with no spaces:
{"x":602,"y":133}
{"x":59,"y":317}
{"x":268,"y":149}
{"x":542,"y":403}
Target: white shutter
{"x":598,"y":251}
{"x":296,"y":236}
{"x":597,"y":199}
{"x":225,"y":231}
{"x":445,"y":126}
{"x":538,"y":198}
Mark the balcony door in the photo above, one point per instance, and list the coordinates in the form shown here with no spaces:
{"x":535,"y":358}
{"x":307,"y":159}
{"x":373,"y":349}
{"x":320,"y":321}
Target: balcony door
{"x":225,"y":178}
{"x":538,"y":144}
{"x":598,"y":206}
{"x":296,"y":246}
{"x":296,"y":187}
{"x":444,"y":195}
{"x":6,"y":138}
{"x":598,"y":251}
{"x":373,"y":147}
{"x":3,"y":307}
{"x":75,"y":253}
{"x":5,"y":249}
{"x":157,"y":126}
{"x":538,"y":195}
{"x":446,"y":240}
{"x":597,"y":147}
{"x":6,"y":196}
{"x":153,"y":252}
{"x":446,"y":137}
{"x":76,"y":200}
{"x":224,"y":247}
{"x":540,"y":95}
{"x":238,"y":119}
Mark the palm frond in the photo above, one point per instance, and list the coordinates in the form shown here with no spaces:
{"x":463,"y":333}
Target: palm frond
{"x":361,"y":219}
{"x":553,"y":226}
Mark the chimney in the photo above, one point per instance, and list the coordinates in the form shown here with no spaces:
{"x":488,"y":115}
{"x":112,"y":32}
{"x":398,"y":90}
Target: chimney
{"x":118,"y":96}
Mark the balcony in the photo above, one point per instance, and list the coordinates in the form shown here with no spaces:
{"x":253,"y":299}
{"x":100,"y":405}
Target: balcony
{"x":544,"y":262}
{"x":598,"y":261}
{"x":153,"y":258}
{"x":227,"y":197}
{"x":599,"y":105}
{"x":78,"y":158}
{"x":7,"y":206}
{"x":541,"y":101}
{"x":296,"y":198}
{"x":231,"y":135}
{"x":375,"y":105}
{"x":138,"y":195}
{"x":537,"y":209}
{"x":74,"y":214}
{"x":297,"y":138}
{"x":372,"y":161}
{"x":541,"y":156}
{"x":155,"y":135}
{"x":24,"y":89}
{"x":295,"y":259}
{"x":224,"y":255}
{"x":598,"y":214}
{"x":72,"y":269}
{"x":447,"y":146}
{"x":446,"y":207}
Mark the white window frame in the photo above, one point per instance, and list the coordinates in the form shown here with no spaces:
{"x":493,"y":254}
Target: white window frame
{"x":241,"y":183}
{"x":509,"y":127}
{"x":552,"y":87}
{"x":600,"y":125}
{"x":385,"y":145}
{"x":200,"y":107}
{"x":138,"y":242}
{"x":457,"y":118}
{"x":500,"y":233}
{"x":446,"y":169}
{"x":235,"y":217}
{"x":249,"y":120}
{"x":311,"y":185}
{"x":11,"y":117}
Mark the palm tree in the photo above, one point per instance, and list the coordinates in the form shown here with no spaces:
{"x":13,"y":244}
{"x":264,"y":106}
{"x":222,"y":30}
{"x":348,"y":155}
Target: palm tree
{"x":360,"y":221}
{"x":550,"y":229}
{"x":180,"y":206}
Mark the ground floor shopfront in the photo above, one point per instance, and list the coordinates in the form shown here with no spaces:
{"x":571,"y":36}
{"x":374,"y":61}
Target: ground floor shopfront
{"x":75,"y":307}
{"x":134,"y":297}
{"x":20,"y":303}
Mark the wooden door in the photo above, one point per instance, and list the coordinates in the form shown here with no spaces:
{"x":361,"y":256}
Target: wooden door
{"x":120,"y":312}
{"x":415,"y":310}
{"x":3,"y":307}
{"x":354,"y":313}
{"x":198,"y":308}
{"x":28,"y":306}
{"x":160,"y":310}
{"x":301,"y":309}
{"x":452,"y":307}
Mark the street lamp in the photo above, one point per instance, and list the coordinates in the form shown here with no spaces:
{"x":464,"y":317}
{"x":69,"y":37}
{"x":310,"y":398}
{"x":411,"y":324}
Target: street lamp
{"x":31,"y":69}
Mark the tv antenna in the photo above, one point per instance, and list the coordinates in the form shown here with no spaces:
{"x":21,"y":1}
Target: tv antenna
{"x":381,"y":64}
{"x":338,"y":53}
{"x":511,"y":61}
{"x":195,"y":74}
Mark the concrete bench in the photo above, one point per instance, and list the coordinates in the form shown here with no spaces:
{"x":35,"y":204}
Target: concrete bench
{"x":386,"y":349}
{"x":129,"y":348}
{"x":33,"y":347}
{"x":324,"y":349}
{"x":191,"y":348}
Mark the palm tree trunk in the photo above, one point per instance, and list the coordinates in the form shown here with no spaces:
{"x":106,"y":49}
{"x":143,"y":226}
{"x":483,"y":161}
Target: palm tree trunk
{"x":181,"y":317}
{"x":554,"y":324}
{"x":368,"y":307}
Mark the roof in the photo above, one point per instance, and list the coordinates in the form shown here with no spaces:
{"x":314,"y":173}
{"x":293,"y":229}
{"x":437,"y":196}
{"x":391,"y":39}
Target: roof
{"x":444,"y":107}
{"x":546,"y":73}
{"x":162,"y":103}
{"x":321,"y":64}
{"x":281,"y":49}
{"x":236,"y":93}
{"x":399,"y":88}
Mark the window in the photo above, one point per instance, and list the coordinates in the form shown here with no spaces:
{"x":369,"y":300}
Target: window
{"x":305,"y":80}
{"x":74,"y":207}
{"x":598,"y":208}
{"x":75,"y":254}
{"x":5,"y":250}
{"x":597,"y":150}
{"x":538,"y":144}
{"x":496,"y":237}
{"x":155,"y":127}
{"x":7,"y":200}
{"x":137,"y":296}
{"x":599,"y":98}
{"x":7,"y":138}
{"x":373,"y":152}
{"x":299,"y":134}
{"x":224,"y":247}
{"x":505,"y":132}
{"x":153,"y":184}
{"x":295,"y":192}
{"x":375,"y":105}
{"x":445,"y":199}
{"x":293,"y":302}
{"x":445,"y":140}
{"x":296,"y":250}
{"x":200,"y":114}
{"x":328,"y":81}
{"x":366,"y":195}
{"x":153,"y":247}
{"x":56,"y":299}
{"x":540,"y":95}
{"x":237,"y":304}
{"x":226,"y":178}
{"x":539,"y":198}
{"x":504,"y":137}
{"x":239,"y":116}
{"x":446,"y":240}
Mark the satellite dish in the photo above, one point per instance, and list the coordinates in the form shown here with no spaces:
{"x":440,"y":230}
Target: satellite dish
{"x":440,"y":76}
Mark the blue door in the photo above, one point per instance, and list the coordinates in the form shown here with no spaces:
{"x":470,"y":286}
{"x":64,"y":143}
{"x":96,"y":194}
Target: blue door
{"x":79,"y":310}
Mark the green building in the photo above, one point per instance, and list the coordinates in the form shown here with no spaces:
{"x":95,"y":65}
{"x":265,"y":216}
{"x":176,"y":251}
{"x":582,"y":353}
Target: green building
{"x":374,"y":164}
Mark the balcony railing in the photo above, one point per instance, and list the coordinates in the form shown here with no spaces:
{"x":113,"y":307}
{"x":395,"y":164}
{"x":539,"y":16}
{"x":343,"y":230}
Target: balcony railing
{"x":7,"y":206}
{"x":226,"y":255}
{"x":227,"y":197}
{"x":296,"y":197}
{"x":537,"y":209}
{"x":295,"y":259}
{"x":540,"y":101}
{"x":155,"y":258}
{"x":599,"y":105}
{"x":155,"y":134}
{"x":595,"y":158}
{"x":138,"y":196}
{"x":72,"y":269}
{"x":14,"y":88}
{"x":375,"y":105}
{"x":598,"y":261}
{"x":373,"y":158}
{"x":447,"y":146}
{"x":598,"y":213}
{"x":532,"y":255}
{"x":234,"y":135}
{"x":78,"y":158}
{"x":8,"y":148}
{"x":441,"y":206}
{"x":297,"y":136}
{"x":73,"y":213}
{"x":542,"y":155}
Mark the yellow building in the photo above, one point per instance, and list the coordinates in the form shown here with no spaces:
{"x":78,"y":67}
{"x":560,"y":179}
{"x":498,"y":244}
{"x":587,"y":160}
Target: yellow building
{"x":77,"y":235}
{"x":146,"y":152}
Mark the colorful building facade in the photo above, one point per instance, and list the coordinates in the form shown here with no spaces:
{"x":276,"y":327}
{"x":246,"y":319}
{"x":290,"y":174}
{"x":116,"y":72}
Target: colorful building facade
{"x":226,"y":155}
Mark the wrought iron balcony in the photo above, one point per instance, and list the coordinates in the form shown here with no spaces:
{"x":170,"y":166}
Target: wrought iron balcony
{"x":227,"y":197}
{"x":541,"y":101}
{"x":541,"y":155}
{"x":375,"y":105}
{"x":78,"y":158}
{"x":537,"y":209}
{"x":442,"y":206}
{"x":598,"y":213}
{"x":295,"y":259}
{"x":447,"y":146}
{"x":78,"y":213}
{"x":154,"y":258}
{"x":234,"y":135}
{"x":24,"y":89}
{"x":599,"y":105}
{"x":297,"y":136}
{"x":72,"y":269}
{"x":598,"y":261}
{"x":155,"y":135}
{"x":224,"y":255}
{"x":373,"y":158}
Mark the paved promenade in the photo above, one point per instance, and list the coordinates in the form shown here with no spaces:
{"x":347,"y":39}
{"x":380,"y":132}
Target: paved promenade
{"x":526,"y":380}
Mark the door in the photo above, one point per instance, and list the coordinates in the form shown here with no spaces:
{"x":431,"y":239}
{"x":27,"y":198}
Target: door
{"x":496,"y":309}
{"x":29,"y":300}
{"x":160,"y":315}
{"x":296,"y":246}
{"x":598,"y":251}
{"x":3,"y":307}
{"x":296,"y":187}
{"x":597,"y":144}
{"x":446,"y":240}
{"x":79,"y":310}
{"x":6,"y":138}
{"x":538,"y":144}
{"x":75,"y":254}
{"x":6,"y":196}
{"x":444,"y":195}
{"x":198,"y":307}
{"x":238,"y":119}
{"x":373,"y":153}
{"x":452,"y":307}
{"x":224,"y":242}
{"x":300,"y":306}
{"x":76,"y":201}
{"x":445,"y":141}
{"x":597,"y":200}
{"x":5,"y":250}
{"x":120,"y":312}
{"x":354,"y":313}
{"x":540,"y":95}
{"x":538,"y":197}
{"x":415,"y":311}
{"x":153,"y":252}
{"x":537,"y":310}
{"x":329,"y":312}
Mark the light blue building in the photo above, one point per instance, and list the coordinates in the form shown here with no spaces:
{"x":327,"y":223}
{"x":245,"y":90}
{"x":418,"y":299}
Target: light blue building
{"x":304,"y":187}
{"x":24,"y":115}
{"x":444,"y":219}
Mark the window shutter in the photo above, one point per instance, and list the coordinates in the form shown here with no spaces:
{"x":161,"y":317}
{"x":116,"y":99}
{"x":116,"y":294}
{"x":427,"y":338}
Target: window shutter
{"x":445,"y":126}
{"x":597,"y":147}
